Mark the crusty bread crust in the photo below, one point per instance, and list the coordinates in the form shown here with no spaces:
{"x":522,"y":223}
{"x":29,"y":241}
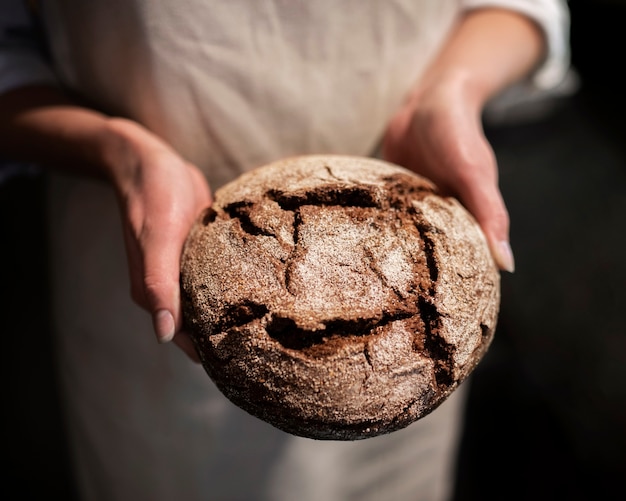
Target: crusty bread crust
{"x":338,"y":297}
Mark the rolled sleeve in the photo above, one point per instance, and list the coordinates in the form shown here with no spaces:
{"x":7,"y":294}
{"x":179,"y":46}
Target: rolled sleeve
{"x":21,"y":60}
{"x":552,"y":16}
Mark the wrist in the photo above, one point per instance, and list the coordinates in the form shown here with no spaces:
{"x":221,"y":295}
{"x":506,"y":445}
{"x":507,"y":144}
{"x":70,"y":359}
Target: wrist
{"x":490,"y":49}
{"x":450,"y":88}
{"x":122,"y":146}
{"x":116,"y":153}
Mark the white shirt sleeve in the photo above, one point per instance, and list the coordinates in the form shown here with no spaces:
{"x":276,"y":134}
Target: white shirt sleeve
{"x":21,"y":61}
{"x":552,"y":16}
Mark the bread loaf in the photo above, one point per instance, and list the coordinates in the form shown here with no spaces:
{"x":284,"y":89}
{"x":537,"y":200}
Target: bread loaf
{"x":338,"y":297}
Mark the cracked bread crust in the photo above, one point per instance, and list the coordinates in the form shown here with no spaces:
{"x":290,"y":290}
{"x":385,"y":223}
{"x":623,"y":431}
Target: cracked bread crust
{"x":338,"y":297}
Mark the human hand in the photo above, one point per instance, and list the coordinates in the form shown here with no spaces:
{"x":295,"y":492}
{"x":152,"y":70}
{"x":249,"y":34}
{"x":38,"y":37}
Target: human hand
{"x":438,"y":134}
{"x":160,"y":196}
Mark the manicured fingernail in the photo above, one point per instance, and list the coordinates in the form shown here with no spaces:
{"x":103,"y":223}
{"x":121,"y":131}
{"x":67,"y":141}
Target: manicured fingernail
{"x":504,"y":256}
{"x":164,"y":326}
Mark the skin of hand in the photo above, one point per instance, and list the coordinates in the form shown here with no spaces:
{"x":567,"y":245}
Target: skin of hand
{"x":160,"y":196}
{"x":159,"y":193}
{"x":438,"y":131}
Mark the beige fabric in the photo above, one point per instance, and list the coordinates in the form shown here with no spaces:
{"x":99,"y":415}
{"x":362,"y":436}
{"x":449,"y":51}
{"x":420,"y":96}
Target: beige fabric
{"x":146,"y":424}
{"x":231,"y":85}
{"x":237,"y":84}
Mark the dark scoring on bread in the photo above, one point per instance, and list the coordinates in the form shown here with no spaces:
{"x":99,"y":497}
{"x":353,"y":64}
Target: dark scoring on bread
{"x":338,"y":297}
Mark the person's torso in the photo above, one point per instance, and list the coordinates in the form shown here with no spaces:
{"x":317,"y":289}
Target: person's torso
{"x":233,"y":85}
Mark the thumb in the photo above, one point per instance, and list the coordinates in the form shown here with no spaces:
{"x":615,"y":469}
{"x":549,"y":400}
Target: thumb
{"x":162,"y":290}
{"x":485,"y":202}
{"x":161,"y":284}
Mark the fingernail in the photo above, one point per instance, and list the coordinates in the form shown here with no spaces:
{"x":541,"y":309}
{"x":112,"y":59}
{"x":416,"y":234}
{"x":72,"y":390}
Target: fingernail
{"x":504,"y":256}
{"x":164,"y":326}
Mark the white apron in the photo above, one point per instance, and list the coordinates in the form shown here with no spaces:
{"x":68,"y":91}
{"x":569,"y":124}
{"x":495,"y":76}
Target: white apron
{"x":231,"y":85}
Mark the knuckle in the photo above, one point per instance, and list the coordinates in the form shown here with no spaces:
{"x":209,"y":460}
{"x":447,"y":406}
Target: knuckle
{"x":152,"y":288}
{"x":158,"y":290}
{"x":500,"y":219}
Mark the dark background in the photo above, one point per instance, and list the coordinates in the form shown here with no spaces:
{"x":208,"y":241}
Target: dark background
{"x":547,"y":411}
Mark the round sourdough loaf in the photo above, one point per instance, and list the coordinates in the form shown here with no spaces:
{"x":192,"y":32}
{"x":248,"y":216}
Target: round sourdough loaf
{"x":338,"y":297}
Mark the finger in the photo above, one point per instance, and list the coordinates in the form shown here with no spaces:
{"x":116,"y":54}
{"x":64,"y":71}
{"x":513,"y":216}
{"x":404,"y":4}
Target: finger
{"x":162,"y":237}
{"x":474,"y":181}
{"x":163,"y":298}
{"x":184,"y":342}
{"x":162,"y":248}
{"x":135,"y":268}
{"x":203,"y":193}
{"x":391,"y":147}
{"x":485,"y":202}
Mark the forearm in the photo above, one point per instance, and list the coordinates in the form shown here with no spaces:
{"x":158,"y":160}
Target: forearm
{"x":489,"y":50}
{"x":40,"y":124}
{"x":160,"y":194}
